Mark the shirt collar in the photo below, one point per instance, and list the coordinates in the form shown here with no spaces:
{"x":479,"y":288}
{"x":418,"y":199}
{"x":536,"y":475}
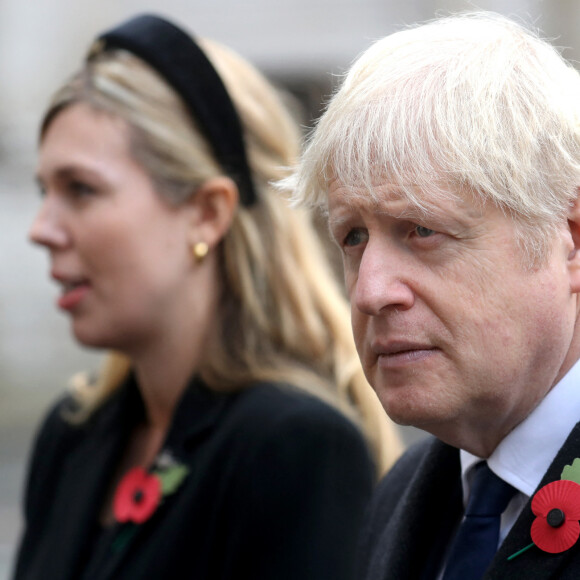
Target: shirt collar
{"x":525,"y":454}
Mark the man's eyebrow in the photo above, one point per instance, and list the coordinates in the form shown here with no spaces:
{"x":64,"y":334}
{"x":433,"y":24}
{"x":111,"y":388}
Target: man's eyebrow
{"x":336,"y":220}
{"x":334,"y":223}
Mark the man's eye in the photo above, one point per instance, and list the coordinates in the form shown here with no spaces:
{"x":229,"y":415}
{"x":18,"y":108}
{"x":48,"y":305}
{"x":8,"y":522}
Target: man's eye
{"x":423,"y":232}
{"x":354,"y":238}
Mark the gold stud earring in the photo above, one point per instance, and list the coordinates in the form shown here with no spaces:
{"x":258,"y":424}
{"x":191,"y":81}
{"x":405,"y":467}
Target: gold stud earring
{"x":200,"y":251}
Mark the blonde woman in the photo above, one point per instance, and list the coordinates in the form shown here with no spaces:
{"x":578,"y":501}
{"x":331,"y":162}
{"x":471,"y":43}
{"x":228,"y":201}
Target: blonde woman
{"x":223,"y":439}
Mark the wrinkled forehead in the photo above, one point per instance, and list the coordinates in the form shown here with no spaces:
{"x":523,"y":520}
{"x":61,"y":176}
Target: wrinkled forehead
{"x":404,"y":199}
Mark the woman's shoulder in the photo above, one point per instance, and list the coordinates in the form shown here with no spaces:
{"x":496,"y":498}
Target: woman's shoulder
{"x":53,"y":440}
{"x":55,"y":427}
{"x":269,"y":409}
{"x":279,"y":433}
{"x":61,"y":430}
{"x":275,"y":402}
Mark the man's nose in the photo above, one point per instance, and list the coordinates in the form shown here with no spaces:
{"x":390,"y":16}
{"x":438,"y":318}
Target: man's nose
{"x":383,"y":280}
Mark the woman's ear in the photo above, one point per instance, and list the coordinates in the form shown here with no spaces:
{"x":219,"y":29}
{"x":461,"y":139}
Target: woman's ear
{"x":574,"y":255}
{"x":213,"y":207}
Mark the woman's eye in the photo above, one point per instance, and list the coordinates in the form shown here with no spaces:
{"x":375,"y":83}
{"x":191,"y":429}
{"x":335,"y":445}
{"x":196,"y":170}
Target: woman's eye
{"x":80,"y":188}
{"x":423,"y":232}
{"x":354,"y":238}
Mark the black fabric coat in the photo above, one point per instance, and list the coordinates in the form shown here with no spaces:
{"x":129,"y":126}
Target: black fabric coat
{"x":277,"y":487}
{"x":417,"y":506}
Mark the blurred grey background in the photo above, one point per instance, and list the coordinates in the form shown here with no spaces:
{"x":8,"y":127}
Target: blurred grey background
{"x":303,"y":45}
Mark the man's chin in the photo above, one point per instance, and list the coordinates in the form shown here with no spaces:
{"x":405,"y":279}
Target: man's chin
{"x":419,"y":415}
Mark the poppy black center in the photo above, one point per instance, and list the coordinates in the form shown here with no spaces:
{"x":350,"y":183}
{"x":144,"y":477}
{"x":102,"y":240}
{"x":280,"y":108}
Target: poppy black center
{"x":138,"y":496}
{"x":556,"y":518}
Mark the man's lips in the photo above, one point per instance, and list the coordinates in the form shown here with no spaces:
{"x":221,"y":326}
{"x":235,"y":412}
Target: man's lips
{"x":397,"y":353}
{"x":393,"y":347}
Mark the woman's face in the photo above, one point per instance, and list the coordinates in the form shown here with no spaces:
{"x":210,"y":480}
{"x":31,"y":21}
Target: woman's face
{"x":118,"y":251}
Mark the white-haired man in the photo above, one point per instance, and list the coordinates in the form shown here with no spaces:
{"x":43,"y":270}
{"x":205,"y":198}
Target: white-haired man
{"x":449,"y":162}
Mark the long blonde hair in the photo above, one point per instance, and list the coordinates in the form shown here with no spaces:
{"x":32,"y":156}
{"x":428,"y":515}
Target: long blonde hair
{"x":282,"y":314}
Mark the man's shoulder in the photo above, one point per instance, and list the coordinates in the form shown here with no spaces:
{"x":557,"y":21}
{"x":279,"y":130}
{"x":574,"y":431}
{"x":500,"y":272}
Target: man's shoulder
{"x":396,"y":482}
{"x":420,"y":489}
{"x":415,"y":474}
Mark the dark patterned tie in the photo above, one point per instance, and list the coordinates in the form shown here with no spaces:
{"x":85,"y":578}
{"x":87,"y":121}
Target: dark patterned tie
{"x":477,"y":538}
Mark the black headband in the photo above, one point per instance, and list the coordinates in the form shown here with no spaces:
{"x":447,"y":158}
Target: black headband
{"x":175,"y":55}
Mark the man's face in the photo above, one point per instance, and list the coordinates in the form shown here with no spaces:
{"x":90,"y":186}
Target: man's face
{"x":454,"y":333}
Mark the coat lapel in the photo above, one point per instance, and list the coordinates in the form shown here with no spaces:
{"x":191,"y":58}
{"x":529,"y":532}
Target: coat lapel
{"x":413,"y":542}
{"x":534,"y":563}
{"x":199,"y":409}
{"x":195,"y":416}
{"x":443,"y":508}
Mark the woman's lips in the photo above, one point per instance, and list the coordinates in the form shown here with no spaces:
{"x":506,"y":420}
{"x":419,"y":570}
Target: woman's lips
{"x":72,"y":297}
{"x":73,"y":291}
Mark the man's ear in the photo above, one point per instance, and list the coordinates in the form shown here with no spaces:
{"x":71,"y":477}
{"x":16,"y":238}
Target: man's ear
{"x":574,"y":255}
{"x":213,"y":207}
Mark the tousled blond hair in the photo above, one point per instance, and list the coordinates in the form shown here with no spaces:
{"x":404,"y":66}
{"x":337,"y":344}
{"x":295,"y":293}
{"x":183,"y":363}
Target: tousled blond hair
{"x":473,"y":103}
{"x":282,"y":316}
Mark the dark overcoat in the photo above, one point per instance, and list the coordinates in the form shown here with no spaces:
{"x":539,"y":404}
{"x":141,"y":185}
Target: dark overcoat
{"x":277,"y":485}
{"x":417,"y":506}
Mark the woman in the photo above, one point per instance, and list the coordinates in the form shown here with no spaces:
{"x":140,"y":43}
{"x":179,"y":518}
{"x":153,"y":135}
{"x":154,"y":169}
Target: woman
{"x":220,"y":439}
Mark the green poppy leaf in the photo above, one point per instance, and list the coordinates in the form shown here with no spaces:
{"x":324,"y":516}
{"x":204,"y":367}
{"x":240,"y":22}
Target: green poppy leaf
{"x":572,"y":472}
{"x":172,"y":478}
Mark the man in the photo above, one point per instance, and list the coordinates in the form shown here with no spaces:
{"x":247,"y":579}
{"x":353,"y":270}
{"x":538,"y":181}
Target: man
{"x":449,"y":162}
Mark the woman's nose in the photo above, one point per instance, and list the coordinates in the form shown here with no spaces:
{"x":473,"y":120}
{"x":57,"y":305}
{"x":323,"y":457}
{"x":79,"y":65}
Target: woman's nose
{"x":47,"y":228}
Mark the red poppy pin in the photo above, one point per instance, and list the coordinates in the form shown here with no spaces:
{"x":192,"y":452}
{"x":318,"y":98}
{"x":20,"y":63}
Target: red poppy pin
{"x":556,"y":527}
{"x":140,"y":492}
{"x":137,"y":496}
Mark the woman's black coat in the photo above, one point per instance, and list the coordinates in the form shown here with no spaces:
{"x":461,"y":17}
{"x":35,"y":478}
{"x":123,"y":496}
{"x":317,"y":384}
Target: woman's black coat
{"x":277,"y":485}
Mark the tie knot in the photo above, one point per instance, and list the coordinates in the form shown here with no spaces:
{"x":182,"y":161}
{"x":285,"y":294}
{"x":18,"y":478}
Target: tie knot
{"x":489,"y":495}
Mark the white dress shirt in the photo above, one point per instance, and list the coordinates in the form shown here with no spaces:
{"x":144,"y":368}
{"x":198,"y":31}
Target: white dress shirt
{"x":523,"y":457}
